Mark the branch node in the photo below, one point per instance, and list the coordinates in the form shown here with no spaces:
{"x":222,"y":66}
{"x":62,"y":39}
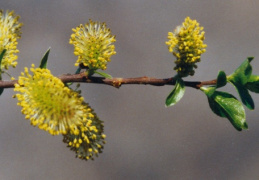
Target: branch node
{"x":117,"y":82}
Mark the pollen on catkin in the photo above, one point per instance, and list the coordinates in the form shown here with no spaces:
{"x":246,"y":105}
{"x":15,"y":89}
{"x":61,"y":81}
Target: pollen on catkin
{"x":88,"y":143}
{"x":48,"y":103}
{"x":93,"y":44}
{"x":186,"y":44}
{"x":10,"y":31}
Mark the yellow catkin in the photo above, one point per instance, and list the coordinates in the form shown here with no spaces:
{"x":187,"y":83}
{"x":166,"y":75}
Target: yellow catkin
{"x":48,"y":103}
{"x":93,"y":44}
{"x":10,"y":31}
{"x":89,"y":142}
{"x":186,"y":44}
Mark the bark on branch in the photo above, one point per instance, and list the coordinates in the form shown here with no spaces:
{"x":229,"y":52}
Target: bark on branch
{"x":117,"y":82}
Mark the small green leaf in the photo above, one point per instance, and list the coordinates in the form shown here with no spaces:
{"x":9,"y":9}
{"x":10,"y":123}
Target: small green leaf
{"x":239,"y":79}
{"x":226,"y":105}
{"x":209,"y":91}
{"x":2,"y":55}
{"x":242,"y":73}
{"x":216,"y":108}
{"x":244,"y":95}
{"x":176,"y":94}
{"x":221,"y":79}
{"x":1,"y":91}
{"x":1,"y":58}
{"x":103,"y":74}
{"x":78,"y":70}
{"x":44,"y":60}
{"x":253,"y":83}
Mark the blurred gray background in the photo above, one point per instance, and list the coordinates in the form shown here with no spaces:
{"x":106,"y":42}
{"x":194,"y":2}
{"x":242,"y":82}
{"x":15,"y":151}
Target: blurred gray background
{"x":145,"y":140}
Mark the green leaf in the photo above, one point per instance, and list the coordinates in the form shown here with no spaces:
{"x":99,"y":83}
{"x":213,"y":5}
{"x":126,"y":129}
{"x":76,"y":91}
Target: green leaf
{"x":44,"y":60}
{"x":239,"y":79}
{"x":209,"y":91}
{"x":221,"y":79}
{"x":1,"y":58}
{"x":242,"y":73}
{"x":2,"y":55}
{"x":78,"y":70}
{"x":216,"y":108}
{"x":244,"y":95}
{"x":103,"y":74}
{"x":227,"y":106}
{"x":253,"y":83}
{"x":1,"y":91}
{"x":176,"y":94}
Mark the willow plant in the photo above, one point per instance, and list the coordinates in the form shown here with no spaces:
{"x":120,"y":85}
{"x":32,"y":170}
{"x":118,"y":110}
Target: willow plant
{"x":52,"y":105}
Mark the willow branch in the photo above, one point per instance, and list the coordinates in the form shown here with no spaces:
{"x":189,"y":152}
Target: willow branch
{"x":118,"y":82}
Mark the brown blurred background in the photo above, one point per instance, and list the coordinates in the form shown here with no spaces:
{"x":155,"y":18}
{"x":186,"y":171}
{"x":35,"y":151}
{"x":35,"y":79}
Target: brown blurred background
{"x":145,"y":140}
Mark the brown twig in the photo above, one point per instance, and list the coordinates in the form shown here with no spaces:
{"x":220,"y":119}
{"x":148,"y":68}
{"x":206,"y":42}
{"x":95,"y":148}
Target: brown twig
{"x":117,"y":82}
